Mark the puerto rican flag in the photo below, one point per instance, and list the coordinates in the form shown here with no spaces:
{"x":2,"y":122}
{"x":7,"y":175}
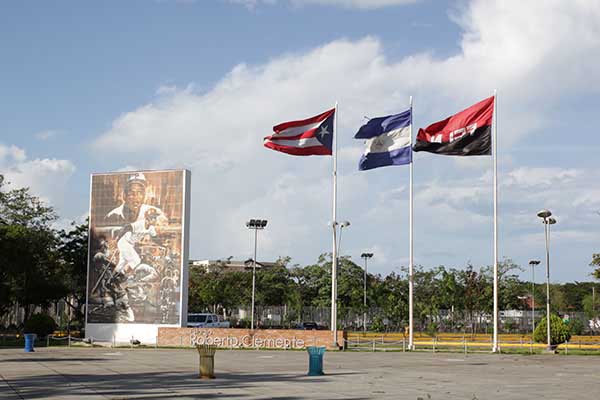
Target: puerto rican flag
{"x":308,"y":137}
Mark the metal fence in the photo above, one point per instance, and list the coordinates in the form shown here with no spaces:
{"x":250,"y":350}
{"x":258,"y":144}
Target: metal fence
{"x":444,"y":321}
{"x":510,"y":321}
{"x":465,"y":343}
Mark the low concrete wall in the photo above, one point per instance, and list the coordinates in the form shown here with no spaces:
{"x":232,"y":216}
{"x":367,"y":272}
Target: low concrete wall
{"x":245,"y":338}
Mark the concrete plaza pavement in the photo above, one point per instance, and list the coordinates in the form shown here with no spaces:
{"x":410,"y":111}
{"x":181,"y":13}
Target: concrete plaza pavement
{"x":106,"y":373}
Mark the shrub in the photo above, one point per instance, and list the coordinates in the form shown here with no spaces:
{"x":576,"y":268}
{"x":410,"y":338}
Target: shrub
{"x":559,"y":331}
{"x":40,"y":324}
{"x":377,"y":325}
{"x":432,"y":329}
{"x":576,"y":326}
{"x":510,"y":325}
{"x":244,"y":323}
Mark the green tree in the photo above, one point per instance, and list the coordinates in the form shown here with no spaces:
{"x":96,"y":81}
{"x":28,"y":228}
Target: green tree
{"x":391,"y":294}
{"x":427,"y":298}
{"x":30,"y":265}
{"x":73,"y":251}
{"x":557,"y":298}
{"x":575,"y":292}
{"x":274,"y":286}
{"x":205,"y":289}
{"x":595,"y":263}
{"x":510,"y":288}
{"x":590,"y":307}
{"x":478,"y":292}
{"x":314,"y":282}
{"x":350,"y":287}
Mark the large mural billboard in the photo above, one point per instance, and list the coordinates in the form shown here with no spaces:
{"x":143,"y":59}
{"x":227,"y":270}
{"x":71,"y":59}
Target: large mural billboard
{"x":136,"y":248}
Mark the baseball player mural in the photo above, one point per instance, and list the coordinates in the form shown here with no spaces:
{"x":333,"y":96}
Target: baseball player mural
{"x":135,"y":257}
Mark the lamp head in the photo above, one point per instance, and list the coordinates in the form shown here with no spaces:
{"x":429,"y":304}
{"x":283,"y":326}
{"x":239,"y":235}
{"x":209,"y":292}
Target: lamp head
{"x":544,"y":213}
{"x":551,"y":221}
{"x":345,"y":224}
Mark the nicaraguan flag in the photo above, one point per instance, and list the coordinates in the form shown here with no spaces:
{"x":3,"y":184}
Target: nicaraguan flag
{"x":388,"y":141}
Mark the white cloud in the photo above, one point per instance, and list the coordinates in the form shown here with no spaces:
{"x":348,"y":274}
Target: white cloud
{"x":530,"y":177}
{"x":355,"y":4}
{"x":46,"y":177}
{"x":524,"y":50}
{"x":360,"y":4}
{"x":45,"y":135}
{"x":11,"y":154}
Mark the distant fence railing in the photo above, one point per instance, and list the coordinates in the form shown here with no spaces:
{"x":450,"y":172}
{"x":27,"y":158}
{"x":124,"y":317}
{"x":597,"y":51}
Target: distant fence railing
{"x":372,"y":341}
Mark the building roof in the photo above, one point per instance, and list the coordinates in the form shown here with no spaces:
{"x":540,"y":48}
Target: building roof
{"x":228,"y":265}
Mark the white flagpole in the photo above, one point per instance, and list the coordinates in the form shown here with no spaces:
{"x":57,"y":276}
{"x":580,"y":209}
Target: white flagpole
{"x":495,"y":161}
{"x":334,"y":227}
{"x":410,"y":240}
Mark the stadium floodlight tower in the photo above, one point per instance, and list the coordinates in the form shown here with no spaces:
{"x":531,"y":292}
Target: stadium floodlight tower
{"x":366,"y":256}
{"x":256,"y":224}
{"x":547,"y":219}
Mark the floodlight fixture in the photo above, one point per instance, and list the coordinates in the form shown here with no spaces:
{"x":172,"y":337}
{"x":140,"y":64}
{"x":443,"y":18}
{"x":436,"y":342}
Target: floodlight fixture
{"x":257,"y":223}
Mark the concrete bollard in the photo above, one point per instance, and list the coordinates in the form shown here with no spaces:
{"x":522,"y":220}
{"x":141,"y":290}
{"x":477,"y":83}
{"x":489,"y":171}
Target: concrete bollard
{"x":207,"y":361}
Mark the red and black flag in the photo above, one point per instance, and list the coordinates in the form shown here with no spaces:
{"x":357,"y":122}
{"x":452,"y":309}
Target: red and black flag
{"x":468,"y":133}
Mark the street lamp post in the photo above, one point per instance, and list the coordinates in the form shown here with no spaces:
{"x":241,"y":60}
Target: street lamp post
{"x":545,"y":215}
{"x":366,"y":256}
{"x":533,"y":264}
{"x":255,"y":224}
{"x":334,"y":263}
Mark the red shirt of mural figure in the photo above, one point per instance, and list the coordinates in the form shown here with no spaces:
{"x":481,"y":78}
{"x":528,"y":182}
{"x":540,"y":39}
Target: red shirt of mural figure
{"x":467,"y":133}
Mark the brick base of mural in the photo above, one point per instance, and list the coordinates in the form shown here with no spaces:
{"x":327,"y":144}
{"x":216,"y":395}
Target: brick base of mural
{"x":245,"y":338}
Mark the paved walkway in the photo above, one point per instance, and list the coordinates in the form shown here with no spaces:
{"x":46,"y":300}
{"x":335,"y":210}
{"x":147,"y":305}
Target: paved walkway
{"x":101,"y":373}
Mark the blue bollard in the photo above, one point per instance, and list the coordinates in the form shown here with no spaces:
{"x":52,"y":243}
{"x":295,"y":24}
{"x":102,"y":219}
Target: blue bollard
{"x":315,"y":360}
{"x":29,"y":340}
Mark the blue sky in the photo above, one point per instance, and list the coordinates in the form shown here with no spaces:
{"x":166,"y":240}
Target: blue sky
{"x":103,"y":86}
